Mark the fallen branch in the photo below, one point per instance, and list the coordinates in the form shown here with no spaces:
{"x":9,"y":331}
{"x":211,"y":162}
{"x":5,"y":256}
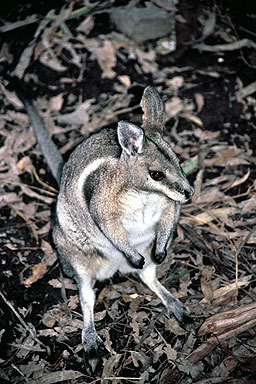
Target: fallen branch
{"x":226,"y":47}
{"x":228,"y":319}
{"x":233,"y":322}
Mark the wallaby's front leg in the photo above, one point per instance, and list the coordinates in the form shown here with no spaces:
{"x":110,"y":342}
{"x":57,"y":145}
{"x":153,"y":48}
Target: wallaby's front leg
{"x":117,"y":236}
{"x":166,"y":227}
{"x":173,"y":305}
{"x":89,"y":335}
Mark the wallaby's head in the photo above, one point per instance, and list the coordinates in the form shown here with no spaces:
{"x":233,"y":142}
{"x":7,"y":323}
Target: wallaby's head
{"x":151,"y":163}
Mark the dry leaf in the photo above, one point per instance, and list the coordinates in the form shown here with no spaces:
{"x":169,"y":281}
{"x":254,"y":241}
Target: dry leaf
{"x":229,"y":288}
{"x":205,"y":135}
{"x":170,"y":352}
{"x":79,"y":116}
{"x":24,"y":164}
{"x":55,"y":283}
{"x":147,"y":60}
{"x":106,"y":57}
{"x":49,"y":59}
{"x":209,"y":25}
{"x":199,"y":99}
{"x":175,"y":83}
{"x":86,"y":25}
{"x":227,"y":156}
{"x":56,"y":102}
{"x":194,"y":119}
{"x":49,"y":320}
{"x":125,"y":80}
{"x":173,"y":107}
{"x":38,"y":271}
{"x":212,"y":214}
{"x":206,"y":282}
{"x":240,"y":181}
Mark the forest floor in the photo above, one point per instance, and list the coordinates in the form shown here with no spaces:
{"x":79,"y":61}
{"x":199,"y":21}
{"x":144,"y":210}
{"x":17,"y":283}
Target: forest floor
{"x":86,"y":72}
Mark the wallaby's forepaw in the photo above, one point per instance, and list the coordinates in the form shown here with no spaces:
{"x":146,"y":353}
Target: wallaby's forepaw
{"x":159,"y":257}
{"x":138,"y":262}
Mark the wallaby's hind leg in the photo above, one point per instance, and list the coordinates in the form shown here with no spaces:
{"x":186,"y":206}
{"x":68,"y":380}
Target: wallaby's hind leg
{"x":173,"y":305}
{"x":89,"y":335}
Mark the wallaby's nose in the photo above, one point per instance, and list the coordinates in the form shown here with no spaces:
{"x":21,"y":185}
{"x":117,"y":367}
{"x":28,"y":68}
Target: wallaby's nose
{"x":189,"y":192}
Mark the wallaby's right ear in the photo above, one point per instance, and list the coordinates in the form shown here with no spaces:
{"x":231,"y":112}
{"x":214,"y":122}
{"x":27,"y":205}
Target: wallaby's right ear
{"x":130,"y":137}
{"x":153,"y":111}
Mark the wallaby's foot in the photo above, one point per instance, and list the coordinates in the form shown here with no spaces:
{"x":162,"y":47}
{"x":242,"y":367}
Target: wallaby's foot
{"x":93,"y":357}
{"x":91,"y":340}
{"x":185,"y":320}
{"x":158,"y":258}
{"x":138,"y":262}
{"x":176,"y":309}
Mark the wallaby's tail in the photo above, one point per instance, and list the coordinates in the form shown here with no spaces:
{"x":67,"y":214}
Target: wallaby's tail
{"x":50,"y":151}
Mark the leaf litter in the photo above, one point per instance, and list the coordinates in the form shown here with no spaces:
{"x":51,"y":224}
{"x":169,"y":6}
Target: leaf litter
{"x":85,"y":75}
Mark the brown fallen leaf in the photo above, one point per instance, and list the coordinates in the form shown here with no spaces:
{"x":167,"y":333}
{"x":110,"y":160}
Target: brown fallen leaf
{"x":105,"y":54}
{"x":224,"y":158}
{"x":199,"y":99}
{"x":175,"y":83}
{"x":106,"y":57}
{"x":38,"y":271}
{"x":57,"y":377}
{"x":147,"y":60}
{"x":223,"y":291}
{"x":55,"y":283}
{"x":79,"y":116}
{"x":56,"y":103}
{"x":195,"y":119}
{"x":206,"y":282}
{"x":240,"y":180}
{"x":212,"y":214}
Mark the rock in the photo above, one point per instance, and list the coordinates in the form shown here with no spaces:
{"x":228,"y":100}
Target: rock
{"x":142,"y":24}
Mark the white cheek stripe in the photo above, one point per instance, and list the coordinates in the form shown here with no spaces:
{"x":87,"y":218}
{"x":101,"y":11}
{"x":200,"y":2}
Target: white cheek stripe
{"x":87,"y":171}
{"x":171,"y":194}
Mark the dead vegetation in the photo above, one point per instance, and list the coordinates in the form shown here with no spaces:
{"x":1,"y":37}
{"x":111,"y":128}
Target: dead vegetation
{"x":85,"y":74}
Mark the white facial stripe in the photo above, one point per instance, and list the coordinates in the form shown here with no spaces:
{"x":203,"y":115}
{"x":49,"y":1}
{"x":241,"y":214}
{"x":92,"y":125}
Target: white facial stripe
{"x":87,"y":171}
{"x":176,"y":196}
{"x":171,"y":193}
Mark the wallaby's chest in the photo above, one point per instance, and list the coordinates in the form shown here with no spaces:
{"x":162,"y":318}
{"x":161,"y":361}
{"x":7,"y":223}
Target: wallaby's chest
{"x":142,"y":212}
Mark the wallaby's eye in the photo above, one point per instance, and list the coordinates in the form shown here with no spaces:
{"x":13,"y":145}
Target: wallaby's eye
{"x":156,"y":175}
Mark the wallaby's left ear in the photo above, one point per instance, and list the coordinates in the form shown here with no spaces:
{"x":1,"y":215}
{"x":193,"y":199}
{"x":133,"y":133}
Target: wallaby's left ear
{"x":130,"y":137}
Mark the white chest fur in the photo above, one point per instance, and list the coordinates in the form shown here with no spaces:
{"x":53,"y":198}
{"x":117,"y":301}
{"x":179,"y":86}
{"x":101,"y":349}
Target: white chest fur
{"x":142,"y":213}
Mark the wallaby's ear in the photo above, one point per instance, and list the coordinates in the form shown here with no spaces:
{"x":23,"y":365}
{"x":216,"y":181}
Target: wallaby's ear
{"x":153,"y":110}
{"x":130,"y":137}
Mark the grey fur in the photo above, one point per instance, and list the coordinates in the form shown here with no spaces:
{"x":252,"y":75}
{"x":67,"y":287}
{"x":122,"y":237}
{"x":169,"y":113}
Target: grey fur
{"x":50,"y":151}
{"x":113,"y":215}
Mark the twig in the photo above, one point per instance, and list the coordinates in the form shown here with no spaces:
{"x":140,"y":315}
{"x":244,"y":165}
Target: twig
{"x":115,"y":378}
{"x":27,"y":221}
{"x":226,"y":47}
{"x":17,"y":183}
{"x":21,"y":373}
{"x":29,"y":329}
{"x":41,"y":182}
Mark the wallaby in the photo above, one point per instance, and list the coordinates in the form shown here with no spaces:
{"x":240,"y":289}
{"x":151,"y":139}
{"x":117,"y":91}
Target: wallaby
{"x":119,"y":202}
